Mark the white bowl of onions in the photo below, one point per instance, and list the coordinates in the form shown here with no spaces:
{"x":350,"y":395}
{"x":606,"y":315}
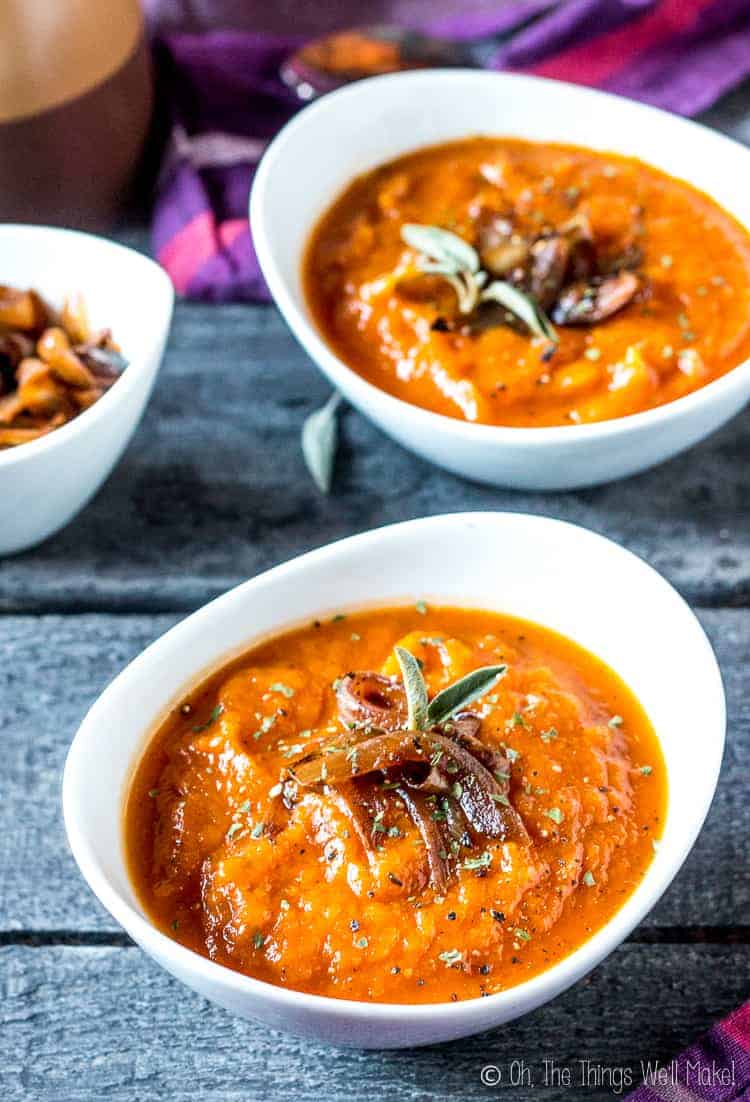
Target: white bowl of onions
{"x":83,"y":323}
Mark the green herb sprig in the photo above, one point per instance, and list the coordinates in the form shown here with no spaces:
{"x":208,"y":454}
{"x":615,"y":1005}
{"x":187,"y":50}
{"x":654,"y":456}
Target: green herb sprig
{"x":445,"y":254}
{"x":320,"y":437}
{"x":422,"y":713}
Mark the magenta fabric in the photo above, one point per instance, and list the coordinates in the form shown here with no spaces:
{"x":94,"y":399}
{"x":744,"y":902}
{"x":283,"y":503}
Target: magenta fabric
{"x":714,"y":1069}
{"x":226,"y":101}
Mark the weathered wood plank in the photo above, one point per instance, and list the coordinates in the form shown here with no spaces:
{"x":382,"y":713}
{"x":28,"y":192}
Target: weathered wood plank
{"x":52,"y":668}
{"x":87,"y":1024}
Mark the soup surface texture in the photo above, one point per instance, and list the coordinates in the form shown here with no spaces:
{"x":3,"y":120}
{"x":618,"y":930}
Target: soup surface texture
{"x":642,"y":283}
{"x":265,"y":832}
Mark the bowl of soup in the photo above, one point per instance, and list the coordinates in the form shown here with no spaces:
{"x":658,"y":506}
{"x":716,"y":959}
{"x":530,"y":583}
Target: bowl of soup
{"x":529,"y":283}
{"x":381,"y":801}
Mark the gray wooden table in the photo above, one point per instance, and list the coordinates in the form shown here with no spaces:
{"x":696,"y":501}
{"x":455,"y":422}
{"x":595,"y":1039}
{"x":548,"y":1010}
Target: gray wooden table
{"x":211,"y":491}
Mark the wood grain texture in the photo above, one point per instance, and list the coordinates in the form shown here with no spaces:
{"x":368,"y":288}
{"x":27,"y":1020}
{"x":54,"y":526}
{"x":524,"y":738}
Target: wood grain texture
{"x":53,"y":667}
{"x":89,"y":1024}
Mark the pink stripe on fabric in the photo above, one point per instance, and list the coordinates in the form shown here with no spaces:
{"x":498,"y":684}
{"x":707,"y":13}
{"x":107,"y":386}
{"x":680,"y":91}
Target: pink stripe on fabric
{"x":230,"y":230}
{"x":190,"y":248}
{"x":737,"y":1026}
{"x":598,"y":60}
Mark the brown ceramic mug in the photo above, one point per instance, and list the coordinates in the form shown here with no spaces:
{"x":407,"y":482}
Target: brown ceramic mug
{"x":75,"y":104}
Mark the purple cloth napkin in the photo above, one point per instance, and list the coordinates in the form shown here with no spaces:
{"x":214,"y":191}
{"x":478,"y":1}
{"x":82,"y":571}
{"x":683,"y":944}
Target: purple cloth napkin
{"x":714,"y":1069}
{"x":226,"y":100}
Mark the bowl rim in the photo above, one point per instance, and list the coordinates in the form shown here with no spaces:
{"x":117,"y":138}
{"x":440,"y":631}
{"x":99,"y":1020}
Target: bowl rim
{"x":130,"y":376}
{"x":309,"y":336}
{"x":527,"y":994}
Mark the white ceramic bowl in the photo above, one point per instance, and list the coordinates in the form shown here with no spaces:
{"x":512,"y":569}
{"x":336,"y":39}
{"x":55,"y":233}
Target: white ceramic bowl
{"x":357,"y":128}
{"x":545,"y":570}
{"x":43,"y":484}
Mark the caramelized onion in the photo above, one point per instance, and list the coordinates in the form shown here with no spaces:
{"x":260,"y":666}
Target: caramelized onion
{"x":353,"y":802}
{"x":483,"y":811}
{"x":561,"y":268}
{"x":586,"y":303}
{"x":549,"y":263}
{"x":380,"y":752}
{"x":45,"y":378}
{"x":482,"y":797}
{"x":434,"y":781}
{"x":421,"y":815}
{"x":371,"y":698}
{"x":454,"y":787}
{"x":466,"y":732}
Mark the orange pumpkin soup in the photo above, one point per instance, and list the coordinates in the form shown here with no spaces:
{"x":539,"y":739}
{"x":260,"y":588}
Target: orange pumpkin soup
{"x":327,"y":831}
{"x":509,"y":282}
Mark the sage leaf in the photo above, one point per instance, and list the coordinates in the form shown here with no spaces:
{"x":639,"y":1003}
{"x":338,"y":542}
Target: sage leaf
{"x":463,"y":283}
{"x":441,"y":245}
{"x":447,"y":255}
{"x":320,"y":434}
{"x":462,"y":692}
{"x":523,"y":306}
{"x":415,"y":689}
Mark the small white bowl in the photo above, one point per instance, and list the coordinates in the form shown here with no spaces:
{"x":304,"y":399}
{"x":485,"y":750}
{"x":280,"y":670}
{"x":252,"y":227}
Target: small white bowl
{"x":366,"y":124}
{"x":572,"y":580}
{"x":44,"y":483}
